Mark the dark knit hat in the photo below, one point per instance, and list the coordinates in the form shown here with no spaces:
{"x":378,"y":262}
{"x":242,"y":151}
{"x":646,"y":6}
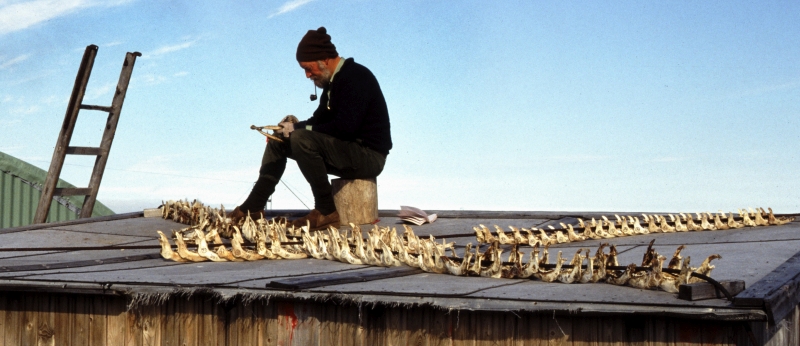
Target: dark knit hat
{"x":316,"y":45}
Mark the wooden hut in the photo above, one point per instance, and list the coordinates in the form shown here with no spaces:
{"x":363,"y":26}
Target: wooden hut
{"x":91,"y":296}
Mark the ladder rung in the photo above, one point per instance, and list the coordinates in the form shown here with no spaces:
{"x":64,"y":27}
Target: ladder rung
{"x":97,"y":108}
{"x":60,"y":191}
{"x":85,"y":151}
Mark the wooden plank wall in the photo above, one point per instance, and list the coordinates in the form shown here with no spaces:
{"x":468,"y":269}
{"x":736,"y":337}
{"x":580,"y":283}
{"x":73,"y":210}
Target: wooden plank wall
{"x":70,"y":319}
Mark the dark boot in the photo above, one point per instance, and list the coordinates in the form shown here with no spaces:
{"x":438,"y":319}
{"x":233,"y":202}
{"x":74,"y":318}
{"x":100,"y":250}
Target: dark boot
{"x":316,"y":221}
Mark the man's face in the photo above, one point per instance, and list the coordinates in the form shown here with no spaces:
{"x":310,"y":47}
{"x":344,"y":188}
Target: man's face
{"x":318,"y":72}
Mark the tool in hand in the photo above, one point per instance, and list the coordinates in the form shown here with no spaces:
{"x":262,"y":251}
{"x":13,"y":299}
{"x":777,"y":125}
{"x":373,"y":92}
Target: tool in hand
{"x":268,"y":127}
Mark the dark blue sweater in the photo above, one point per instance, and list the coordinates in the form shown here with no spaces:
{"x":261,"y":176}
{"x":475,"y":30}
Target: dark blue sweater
{"x":356,"y":111}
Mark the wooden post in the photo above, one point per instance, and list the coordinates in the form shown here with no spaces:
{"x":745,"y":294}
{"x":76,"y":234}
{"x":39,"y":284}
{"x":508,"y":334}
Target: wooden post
{"x":356,"y":200}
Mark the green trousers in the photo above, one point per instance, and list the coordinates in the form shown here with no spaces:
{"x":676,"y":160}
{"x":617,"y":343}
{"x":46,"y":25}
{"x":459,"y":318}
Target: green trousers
{"x":317,"y":155}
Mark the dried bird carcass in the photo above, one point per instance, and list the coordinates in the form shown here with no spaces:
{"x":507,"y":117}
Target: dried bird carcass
{"x":760,"y":217}
{"x":690,"y":223}
{"x":671,"y":282}
{"x":679,"y":226}
{"x":588,"y":233}
{"x":704,"y":223}
{"x":746,"y":220}
{"x":311,"y":244}
{"x":277,"y":249}
{"x":665,"y":227}
{"x":773,"y":220}
{"x":408,"y":258}
{"x":705,"y":268}
{"x":388,"y":259}
{"x":552,"y":274}
{"x":249,"y":228}
{"x":427,"y":261}
{"x":676,"y":261}
{"x":610,"y":262}
{"x":518,"y":237}
{"x":718,"y":224}
{"x":495,"y":269}
{"x":487,"y":234}
{"x":600,"y":271}
{"x":573,"y":274}
{"x":413,"y":242}
{"x":533,"y":240}
{"x":620,"y":279}
{"x":545,"y":239}
{"x":502,"y":237}
{"x":223,"y":253}
{"x":203,"y":250}
{"x":624,"y":228}
{"x":166,"y":249}
{"x":612,"y":228}
{"x":588,"y":272}
{"x":184,"y":252}
{"x":475,"y":268}
{"x":638,"y":279}
{"x":322,"y":246}
{"x":572,"y":235}
{"x":532,"y":267}
{"x":263,"y":250}
{"x":513,"y":269}
{"x":649,"y":256}
{"x":459,"y":269}
{"x":637,"y":227}
{"x":345,"y":255}
{"x":371,"y":257}
{"x":656,"y":273}
{"x":561,"y":238}
{"x":611,"y":258}
{"x":600,"y":231}
{"x":732,"y":223}
{"x":241,"y":252}
{"x":652,"y":223}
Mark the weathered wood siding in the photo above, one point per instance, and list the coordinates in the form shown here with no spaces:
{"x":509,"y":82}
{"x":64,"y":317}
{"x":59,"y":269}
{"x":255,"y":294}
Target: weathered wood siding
{"x":71,"y":319}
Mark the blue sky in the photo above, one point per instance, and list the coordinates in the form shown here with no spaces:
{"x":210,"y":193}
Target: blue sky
{"x":501,"y":105}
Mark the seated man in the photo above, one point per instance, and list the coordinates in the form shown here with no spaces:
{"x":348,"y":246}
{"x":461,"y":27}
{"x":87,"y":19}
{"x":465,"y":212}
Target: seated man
{"x":348,"y":135}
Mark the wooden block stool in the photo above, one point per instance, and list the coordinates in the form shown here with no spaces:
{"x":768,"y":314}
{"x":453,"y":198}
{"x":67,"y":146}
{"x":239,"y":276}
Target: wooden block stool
{"x":356,"y":200}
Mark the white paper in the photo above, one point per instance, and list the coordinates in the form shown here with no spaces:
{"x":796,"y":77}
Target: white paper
{"x":415,"y":215}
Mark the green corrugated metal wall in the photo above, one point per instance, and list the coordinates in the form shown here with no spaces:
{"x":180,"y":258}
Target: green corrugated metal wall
{"x":19,"y":195}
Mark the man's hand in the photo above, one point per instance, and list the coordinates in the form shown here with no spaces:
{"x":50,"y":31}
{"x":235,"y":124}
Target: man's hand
{"x":290,"y":118}
{"x":288,"y":128}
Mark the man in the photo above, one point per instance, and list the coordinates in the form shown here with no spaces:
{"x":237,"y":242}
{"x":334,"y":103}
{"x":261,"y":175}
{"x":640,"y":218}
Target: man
{"x":348,"y":135}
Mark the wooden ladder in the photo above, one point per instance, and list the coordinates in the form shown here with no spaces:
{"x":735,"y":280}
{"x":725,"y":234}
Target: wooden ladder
{"x":62,"y":148}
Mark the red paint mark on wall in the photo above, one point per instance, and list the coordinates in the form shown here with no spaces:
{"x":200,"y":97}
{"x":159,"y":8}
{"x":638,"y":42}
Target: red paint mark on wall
{"x":450,"y":329}
{"x":286,"y":312}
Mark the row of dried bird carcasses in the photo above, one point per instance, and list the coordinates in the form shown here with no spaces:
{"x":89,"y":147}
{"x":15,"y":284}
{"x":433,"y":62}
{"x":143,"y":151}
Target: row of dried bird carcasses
{"x":384,"y":247}
{"x":627,"y":226}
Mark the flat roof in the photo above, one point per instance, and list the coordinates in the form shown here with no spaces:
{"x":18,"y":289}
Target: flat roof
{"x":765,"y":258}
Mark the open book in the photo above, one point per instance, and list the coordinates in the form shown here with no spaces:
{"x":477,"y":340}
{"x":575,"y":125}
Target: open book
{"x":415,"y":215}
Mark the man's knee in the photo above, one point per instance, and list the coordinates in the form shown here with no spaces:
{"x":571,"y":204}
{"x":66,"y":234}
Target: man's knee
{"x":303,"y":140}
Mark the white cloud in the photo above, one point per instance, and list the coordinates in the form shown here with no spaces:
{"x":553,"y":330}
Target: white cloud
{"x":25,"y":110}
{"x":289,"y":6}
{"x":169,"y":49}
{"x":6,"y":64}
{"x":9,"y":123}
{"x":8,"y":98}
{"x":16,"y":16}
{"x":149,"y":79}
{"x":95,"y":93}
{"x":181,"y":74}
